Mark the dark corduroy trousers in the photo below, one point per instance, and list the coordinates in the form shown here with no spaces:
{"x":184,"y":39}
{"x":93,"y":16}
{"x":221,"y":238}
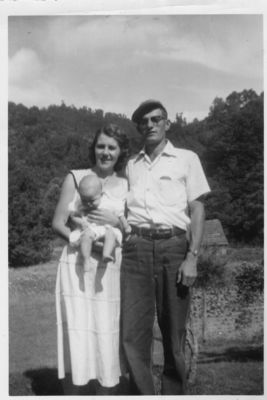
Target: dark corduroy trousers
{"x":148,"y":280}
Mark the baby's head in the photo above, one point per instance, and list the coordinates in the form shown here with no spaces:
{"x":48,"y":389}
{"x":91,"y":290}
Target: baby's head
{"x":90,"y":190}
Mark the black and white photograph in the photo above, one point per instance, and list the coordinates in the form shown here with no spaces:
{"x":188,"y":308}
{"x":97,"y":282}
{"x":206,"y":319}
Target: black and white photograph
{"x":135,"y":201}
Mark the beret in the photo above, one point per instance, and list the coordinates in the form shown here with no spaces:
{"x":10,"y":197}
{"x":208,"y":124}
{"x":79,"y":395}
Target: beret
{"x":145,"y":107}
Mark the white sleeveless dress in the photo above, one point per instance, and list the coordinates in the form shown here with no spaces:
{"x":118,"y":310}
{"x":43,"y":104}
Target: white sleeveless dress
{"x":88,"y":309}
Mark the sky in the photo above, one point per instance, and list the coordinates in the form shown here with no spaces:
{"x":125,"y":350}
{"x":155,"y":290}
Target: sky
{"x":114,"y":62}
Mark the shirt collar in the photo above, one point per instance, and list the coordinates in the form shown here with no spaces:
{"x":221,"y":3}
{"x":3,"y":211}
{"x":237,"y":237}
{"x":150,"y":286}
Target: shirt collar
{"x":168,"y":150}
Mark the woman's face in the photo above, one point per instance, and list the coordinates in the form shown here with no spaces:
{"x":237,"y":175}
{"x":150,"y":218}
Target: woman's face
{"x":107,"y":152}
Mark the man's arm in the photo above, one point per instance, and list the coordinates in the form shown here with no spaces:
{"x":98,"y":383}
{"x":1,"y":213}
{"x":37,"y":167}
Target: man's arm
{"x":188,"y":270}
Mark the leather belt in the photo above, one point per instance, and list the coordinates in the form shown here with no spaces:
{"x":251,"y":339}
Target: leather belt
{"x":157,"y":233}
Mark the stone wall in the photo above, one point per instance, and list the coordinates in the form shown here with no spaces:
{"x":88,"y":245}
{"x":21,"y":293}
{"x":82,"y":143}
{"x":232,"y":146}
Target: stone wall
{"x":226,"y":317}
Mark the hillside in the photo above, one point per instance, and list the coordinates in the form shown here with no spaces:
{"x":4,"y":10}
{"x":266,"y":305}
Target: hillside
{"x":45,"y":143}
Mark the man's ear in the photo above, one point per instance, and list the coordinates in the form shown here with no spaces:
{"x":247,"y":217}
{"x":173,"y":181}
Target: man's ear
{"x":167,"y":125}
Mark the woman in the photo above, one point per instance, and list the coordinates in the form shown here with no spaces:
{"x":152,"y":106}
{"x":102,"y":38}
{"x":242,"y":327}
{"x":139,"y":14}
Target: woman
{"x":88,"y":303}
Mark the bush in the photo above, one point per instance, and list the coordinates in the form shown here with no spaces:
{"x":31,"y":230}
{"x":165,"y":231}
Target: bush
{"x":211,"y":271}
{"x":249,"y":281}
{"x":29,"y":238}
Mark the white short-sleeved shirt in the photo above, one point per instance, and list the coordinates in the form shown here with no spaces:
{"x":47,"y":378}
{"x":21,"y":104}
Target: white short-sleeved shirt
{"x":160,"y":190}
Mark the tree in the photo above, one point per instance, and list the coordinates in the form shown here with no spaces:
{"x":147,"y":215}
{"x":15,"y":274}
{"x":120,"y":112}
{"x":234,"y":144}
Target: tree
{"x":44,"y":144}
{"x":29,"y":240}
{"x":234,"y":158}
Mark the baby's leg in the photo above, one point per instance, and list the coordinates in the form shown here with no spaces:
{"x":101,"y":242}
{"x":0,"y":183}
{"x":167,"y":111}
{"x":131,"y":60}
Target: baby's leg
{"x":87,"y":240}
{"x":109,"y":244}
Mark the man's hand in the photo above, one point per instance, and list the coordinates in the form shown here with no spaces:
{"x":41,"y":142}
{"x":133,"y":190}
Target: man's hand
{"x":103,"y":217}
{"x":187,"y":272}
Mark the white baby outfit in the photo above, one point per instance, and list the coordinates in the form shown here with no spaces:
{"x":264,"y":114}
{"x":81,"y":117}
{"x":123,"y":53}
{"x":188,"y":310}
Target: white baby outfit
{"x":106,"y":202}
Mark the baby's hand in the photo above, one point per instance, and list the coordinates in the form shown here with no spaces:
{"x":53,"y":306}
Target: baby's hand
{"x":84,"y":225}
{"x":127,"y":233}
{"x":128,"y":230}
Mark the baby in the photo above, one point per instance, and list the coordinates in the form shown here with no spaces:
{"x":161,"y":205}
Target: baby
{"x":91,"y":197}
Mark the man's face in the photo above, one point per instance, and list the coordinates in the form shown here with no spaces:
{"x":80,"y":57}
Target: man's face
{"x":153,"y":127}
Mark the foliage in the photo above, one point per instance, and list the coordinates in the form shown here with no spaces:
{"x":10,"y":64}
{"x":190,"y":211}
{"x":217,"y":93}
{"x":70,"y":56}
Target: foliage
{"x":229,"y":143}
{"x":249,"y":281}
{"x":45,"y":143}
{"x":29,"y":239}
{"x":242,"y":267}
{"x":211,"y":271}
{"x":245,"y":253}
{"x":234,"y":162}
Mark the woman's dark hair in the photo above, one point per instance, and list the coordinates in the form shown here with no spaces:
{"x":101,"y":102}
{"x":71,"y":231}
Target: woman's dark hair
{"x":115,"y":132}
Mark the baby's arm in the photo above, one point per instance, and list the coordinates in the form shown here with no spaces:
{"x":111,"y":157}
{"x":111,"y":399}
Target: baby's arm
{"x":79,"y":220}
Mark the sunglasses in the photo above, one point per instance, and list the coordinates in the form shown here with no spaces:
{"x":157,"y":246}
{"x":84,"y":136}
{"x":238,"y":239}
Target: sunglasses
{"x":155,"y":120}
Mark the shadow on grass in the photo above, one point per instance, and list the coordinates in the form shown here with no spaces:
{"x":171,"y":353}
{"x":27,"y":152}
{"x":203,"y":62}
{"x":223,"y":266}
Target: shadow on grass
{"x":232,"y":354}
{"x":44,"y":382}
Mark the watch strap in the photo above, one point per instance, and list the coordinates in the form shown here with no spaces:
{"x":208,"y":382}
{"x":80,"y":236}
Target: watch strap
{"x":194,"y":252}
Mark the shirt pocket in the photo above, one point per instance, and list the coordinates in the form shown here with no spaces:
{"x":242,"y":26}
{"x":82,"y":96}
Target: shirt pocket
{"x":171,"y":192}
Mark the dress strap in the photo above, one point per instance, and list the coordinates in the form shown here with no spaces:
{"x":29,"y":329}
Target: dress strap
{"x":75,"y":181}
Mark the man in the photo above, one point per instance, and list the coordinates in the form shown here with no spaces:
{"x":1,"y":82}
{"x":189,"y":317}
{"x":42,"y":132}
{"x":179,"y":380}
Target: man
{"x":159,"y":261}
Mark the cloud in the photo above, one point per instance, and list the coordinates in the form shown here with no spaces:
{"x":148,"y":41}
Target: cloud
{"x":228,"y":43}
{"x":110,"y":43}
{"x":27,"y":80}
{"x":42,"y":94}
{"x":24,"y":67}
{"x":115,"y":62}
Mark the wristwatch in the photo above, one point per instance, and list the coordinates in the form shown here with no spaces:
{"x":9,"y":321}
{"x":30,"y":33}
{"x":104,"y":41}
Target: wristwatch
{"x":194,"y":252}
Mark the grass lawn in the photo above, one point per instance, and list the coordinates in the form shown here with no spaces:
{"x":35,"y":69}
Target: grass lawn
{"x":223,"y":369}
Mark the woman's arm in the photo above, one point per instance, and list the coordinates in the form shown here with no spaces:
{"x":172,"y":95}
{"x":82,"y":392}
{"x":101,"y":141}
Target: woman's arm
{"x":104,"y":217}
{"x":61,"y":215}
{"x":79,"y":222}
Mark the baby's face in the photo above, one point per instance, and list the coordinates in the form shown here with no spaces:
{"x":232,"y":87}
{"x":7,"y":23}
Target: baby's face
{"x":91,"y":202}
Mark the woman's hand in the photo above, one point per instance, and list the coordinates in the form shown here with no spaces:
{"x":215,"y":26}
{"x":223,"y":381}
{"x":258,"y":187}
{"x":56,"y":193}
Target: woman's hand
{"x":103,"y":217}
